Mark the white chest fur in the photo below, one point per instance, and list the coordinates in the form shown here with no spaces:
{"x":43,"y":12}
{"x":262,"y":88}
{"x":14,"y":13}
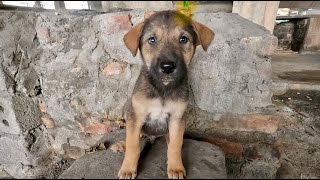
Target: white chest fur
{"x":156,"y":114}
{"x":161,"y":111}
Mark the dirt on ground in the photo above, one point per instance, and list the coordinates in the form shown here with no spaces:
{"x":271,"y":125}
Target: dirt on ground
{"x":299,"y":134}
{"x":312,"y":76}
{"x":295,"y":154}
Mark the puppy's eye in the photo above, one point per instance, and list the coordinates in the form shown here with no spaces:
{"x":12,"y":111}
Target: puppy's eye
{"x":183,"y":40}
{"x":152,"y":40}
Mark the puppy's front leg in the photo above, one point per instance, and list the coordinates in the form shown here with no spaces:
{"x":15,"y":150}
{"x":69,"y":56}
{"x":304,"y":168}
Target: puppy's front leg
{"x":174,"y":139}
{"x":129,"y":166}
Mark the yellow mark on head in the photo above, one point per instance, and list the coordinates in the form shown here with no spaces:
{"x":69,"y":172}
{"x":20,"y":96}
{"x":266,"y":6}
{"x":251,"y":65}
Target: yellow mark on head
{"x":188,"y":9}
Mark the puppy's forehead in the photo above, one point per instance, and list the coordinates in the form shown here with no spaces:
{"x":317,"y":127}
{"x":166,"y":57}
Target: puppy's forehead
{"x":167,"y":20}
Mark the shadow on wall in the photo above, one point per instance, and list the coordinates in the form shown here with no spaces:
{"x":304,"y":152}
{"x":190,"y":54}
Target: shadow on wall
{"x":291,"y":33}
{"x":298,"y":34}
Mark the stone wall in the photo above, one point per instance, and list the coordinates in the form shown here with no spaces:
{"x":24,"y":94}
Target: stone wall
{"x":64,"y":78}
{"x":202,"y":6}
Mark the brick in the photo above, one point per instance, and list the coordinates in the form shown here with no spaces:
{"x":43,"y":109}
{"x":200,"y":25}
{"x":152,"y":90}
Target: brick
{"x":98,"y":128}
{"x":230,"y":149}
{"x":113,"y":68}
{"x":251,"y":122}
{"x":118,"y":23}
{"x":42,"y":107}
{"x":43,"y":33}
{"x":48,"y":121}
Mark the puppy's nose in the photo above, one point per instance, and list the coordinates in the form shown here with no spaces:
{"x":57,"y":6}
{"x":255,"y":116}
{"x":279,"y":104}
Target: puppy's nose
{"x":167,"y":67}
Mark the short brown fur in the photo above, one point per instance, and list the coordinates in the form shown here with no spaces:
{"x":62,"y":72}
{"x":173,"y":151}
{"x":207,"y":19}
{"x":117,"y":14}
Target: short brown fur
{"x":158,"y":103}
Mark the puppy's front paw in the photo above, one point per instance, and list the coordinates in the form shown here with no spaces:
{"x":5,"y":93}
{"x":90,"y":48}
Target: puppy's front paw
{"x":177,"y":172}
{"x":126,"y":173}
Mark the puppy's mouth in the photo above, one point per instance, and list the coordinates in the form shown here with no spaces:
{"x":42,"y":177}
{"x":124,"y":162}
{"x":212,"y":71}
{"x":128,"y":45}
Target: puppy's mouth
{"x":167,"y":79}
{"x":162,"y":78}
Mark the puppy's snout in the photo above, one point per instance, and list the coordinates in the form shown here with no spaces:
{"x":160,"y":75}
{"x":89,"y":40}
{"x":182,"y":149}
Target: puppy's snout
{"x":167,"y":67}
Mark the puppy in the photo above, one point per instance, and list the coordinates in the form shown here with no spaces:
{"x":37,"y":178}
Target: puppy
{"x":167,"y":41}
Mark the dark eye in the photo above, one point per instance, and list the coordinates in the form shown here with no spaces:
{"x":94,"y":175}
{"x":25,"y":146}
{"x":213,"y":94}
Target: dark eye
{"x":152,"y":40}
{"x":183,"y":40}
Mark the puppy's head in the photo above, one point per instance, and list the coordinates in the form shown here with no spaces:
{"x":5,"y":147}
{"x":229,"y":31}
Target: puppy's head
{"x":167,"y":41}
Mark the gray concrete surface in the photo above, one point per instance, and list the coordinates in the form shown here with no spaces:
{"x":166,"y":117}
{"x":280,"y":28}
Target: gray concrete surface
{"x":201,"y":160}
{"x":293,"y":71}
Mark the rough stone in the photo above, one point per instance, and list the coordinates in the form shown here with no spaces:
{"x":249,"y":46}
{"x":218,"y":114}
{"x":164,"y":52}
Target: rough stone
{"x":23,"y":139}
{"x":235,"y":84}
{"x":27,"y":112}
{"x":262,"y":162}
{"x":73,"y":152}
{"x":286,"y":171}
{"x":17,"y":151}
{"x":201,"y":160}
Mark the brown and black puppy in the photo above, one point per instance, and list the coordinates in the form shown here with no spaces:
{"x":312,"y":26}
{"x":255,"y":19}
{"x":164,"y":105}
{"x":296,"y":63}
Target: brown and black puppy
{"x":167,"y":41}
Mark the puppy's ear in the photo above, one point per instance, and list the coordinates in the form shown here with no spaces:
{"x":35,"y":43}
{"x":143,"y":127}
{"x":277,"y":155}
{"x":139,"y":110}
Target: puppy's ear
{"x":131,"y":39}
{"x":205,"y":35}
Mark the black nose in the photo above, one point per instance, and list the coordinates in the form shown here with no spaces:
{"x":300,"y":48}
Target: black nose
{"x":167,"y":66}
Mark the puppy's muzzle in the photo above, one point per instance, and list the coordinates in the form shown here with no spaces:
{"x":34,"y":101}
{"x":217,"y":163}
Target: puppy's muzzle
{"x":167,"y":67}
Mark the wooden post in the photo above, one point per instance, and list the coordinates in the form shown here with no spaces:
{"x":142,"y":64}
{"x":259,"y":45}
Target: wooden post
{"x":59,"y":5}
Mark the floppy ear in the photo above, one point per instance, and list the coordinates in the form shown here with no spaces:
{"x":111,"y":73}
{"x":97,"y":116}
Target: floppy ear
{"x":131,"y":39}
{"x":205,"y":35}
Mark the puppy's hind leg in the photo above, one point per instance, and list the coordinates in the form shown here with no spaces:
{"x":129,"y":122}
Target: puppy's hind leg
{"x":120,"y":146}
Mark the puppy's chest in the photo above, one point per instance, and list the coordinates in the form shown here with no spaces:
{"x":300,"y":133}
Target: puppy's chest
{"x":157,"y":116}
{"x":156,"y":120}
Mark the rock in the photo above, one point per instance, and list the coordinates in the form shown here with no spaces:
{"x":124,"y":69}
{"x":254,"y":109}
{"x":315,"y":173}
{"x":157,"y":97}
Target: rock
{"x":286,"y":171}
{"x":24,"y":141}
{"x":262,"y":162}
{"x":233,"y":76}
{"x":201,"y":160}
{"x":73,"y":152}
{"x":5,"y":175}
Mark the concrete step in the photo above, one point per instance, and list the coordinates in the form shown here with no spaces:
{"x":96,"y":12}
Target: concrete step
{"x":280,"y":87}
